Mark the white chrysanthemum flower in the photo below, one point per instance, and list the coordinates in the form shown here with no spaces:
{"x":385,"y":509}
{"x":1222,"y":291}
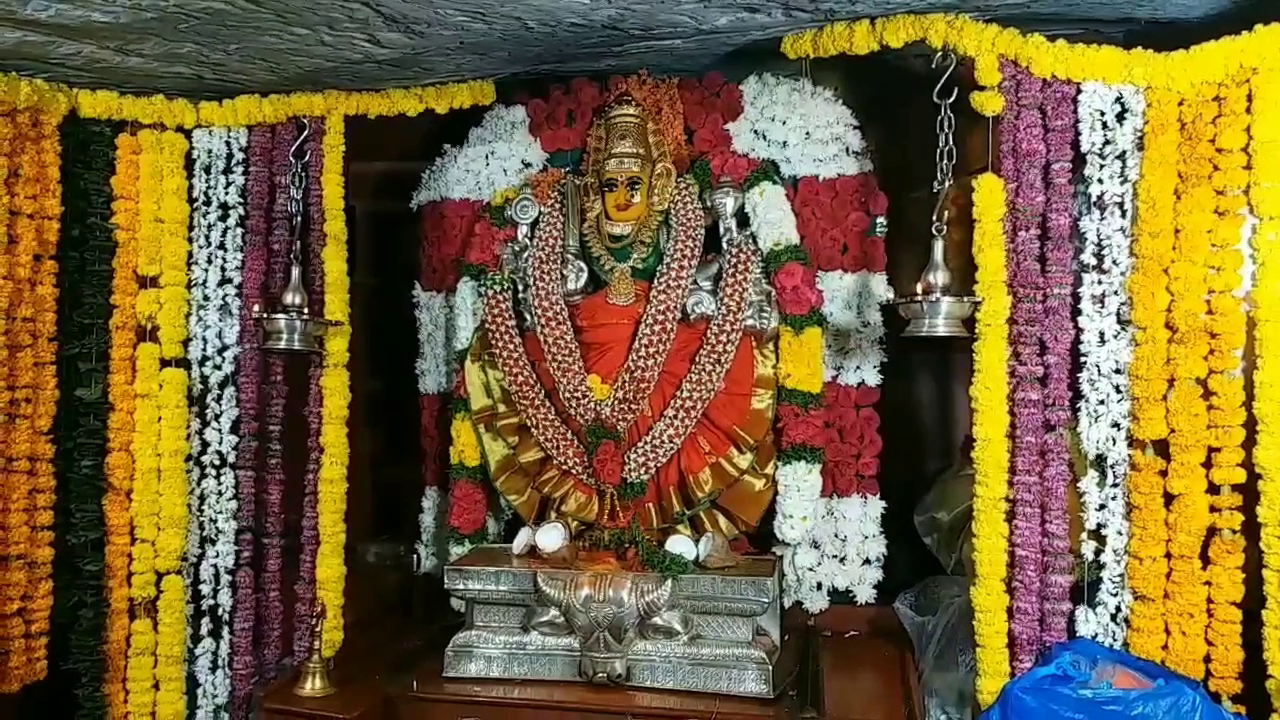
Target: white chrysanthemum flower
{"x":804,"y":128}
{"x":499,"y":153}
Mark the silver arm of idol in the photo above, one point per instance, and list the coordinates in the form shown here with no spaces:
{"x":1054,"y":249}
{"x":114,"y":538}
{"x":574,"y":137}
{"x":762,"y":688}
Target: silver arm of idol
{"x":523,"y":211}
{"x":576,"y":274}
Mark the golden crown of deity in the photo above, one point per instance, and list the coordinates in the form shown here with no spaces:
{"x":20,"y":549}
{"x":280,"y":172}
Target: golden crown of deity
{"x":626,"y":141}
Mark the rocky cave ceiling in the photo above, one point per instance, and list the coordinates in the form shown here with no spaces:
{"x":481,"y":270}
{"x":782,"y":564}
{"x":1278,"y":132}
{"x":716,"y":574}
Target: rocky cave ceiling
{"x":207,"y":48}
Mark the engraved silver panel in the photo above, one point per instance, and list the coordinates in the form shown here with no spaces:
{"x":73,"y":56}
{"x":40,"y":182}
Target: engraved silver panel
{"x":708,"y":631}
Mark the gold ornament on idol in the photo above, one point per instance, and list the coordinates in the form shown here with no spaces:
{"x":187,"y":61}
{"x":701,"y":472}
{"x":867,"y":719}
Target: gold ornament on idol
{"x":629,"y":184}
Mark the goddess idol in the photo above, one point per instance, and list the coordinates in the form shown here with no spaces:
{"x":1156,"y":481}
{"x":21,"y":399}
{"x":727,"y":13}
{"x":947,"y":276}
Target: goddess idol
{"x":623,"y":377}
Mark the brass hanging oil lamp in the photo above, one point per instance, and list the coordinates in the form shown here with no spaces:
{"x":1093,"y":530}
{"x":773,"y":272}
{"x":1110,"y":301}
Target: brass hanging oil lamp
{"x":291,"y":329}
{"x":934,"y":311}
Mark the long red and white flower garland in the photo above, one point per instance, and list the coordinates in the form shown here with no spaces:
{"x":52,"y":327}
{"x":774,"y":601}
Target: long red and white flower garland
{"x":498,"y":154}
{"x":829,"y":510}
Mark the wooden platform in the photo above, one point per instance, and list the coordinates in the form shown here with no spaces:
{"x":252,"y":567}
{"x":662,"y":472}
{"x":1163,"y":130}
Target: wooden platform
{"x":858,"y":667}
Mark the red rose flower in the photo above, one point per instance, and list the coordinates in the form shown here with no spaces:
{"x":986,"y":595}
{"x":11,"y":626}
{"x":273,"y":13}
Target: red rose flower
{"x":842,"y":451}
{"x":872,"y":444}
{"x":846,"y":395}
{"x":867,"y":395}
{"x":695,"y":116}
{"x":731,"y":102}
{"x":468,"y":506}
{"x":878,"y":203}
{"x":726,"y":163}
{"x":537,"y":111}
{"x":797,"y":289}
{"x":446,"y":225}
{"x":874,"y":258}
{"x":839,"y":480}
{"x":713,"y":81}
{"x":869,"y":466}
{"x":868,"y":419}
{"x":711,"y":136}
{"x":689,"y":87}
{"x":485,"y":247}
{"x":800,"y":426}
{"x":869,"y":486}
{"x":606,"y":463}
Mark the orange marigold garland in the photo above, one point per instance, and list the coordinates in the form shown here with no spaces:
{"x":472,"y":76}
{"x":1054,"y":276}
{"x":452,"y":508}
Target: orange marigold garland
{"x":1187,"y":482}
{"x":35,"y":207}
{"x":1228,"y":325}
{"x":119,"y":463}
{"x":12,"y":542}
{"x":1149,"y":374}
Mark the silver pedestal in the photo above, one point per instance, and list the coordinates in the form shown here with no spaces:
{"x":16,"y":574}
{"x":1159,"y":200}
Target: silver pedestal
{"x":708,"y":631}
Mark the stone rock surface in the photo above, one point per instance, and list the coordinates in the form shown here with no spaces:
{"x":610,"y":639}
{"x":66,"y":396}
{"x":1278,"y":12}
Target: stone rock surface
{"x":213,"y":48}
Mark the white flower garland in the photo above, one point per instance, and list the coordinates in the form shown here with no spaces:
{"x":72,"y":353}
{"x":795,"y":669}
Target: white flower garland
{"x":499,"y":153}
{"x":1110,"y":121}
{"x":802,"y":127}
{"x":435,"y":358}
{"x":855,"y":325}
{"x":773,"y":222}
{"x":217,"y":235}
{"x":466,"y":314}
{"x":428,"y":526}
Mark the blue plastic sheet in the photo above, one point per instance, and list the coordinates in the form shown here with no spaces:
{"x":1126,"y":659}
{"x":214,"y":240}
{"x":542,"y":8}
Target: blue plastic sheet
{"x":1082,"y":680}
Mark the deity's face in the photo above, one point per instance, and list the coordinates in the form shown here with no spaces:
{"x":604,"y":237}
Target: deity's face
{"x":625,"y":194}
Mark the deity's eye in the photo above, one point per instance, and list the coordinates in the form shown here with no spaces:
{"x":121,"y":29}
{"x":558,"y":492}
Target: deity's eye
{"x":635,"y":184}
{"x":610,"y":185}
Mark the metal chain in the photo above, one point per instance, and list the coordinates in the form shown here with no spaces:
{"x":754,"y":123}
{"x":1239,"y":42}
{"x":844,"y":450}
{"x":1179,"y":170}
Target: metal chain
{"x":298,"y":160}
{"x":945,"y":156}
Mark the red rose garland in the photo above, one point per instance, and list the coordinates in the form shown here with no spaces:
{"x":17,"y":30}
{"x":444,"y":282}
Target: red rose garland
{"x":837,"y":222}
{"x":852,"y":441}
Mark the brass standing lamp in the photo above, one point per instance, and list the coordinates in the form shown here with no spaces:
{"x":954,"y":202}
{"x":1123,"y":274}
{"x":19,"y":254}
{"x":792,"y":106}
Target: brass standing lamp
{"x":291,"y":329}
{"x":934,"y":310}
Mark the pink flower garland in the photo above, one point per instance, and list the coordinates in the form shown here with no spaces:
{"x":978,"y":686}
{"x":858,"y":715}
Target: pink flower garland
{"x":304,"y":587}
{"x":1058,"y":333}
{"x":248,"y":380}
{"x":271,"y":612}
{"x":1022,"y":162}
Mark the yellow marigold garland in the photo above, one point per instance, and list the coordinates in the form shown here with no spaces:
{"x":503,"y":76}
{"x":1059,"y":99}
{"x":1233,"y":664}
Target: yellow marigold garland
{"x":800,"y":358}
{"x":1264,"y":198}
{"x":171,"y":332}
{"x":1187,"y":482}
{"x":119,"y":462}
{"x":1228,"y":325}
{"x":1181,"y":70}
{"x":331,"y":571}
{"x":1149,"y":373}
{"x":156,"y":666}
{"x":989,"y":396}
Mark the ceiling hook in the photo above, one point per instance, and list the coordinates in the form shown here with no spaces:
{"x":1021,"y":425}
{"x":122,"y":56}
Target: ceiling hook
{"x":948,"y":58}
{"x":302,"y":139}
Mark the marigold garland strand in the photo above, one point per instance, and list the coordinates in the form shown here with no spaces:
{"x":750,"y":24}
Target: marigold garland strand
{"x":33,"y":224}
{"x":1149,"y":374}
{"x":12,"y":544}
{"x":989,"y":394}
{"x":1264,"y":199}
{"x":156,"y":668}
{"x":1227,"y":416}
{"x":331,"y":571}
{"x":120,"y":394}
{"x":1187,"y":481}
